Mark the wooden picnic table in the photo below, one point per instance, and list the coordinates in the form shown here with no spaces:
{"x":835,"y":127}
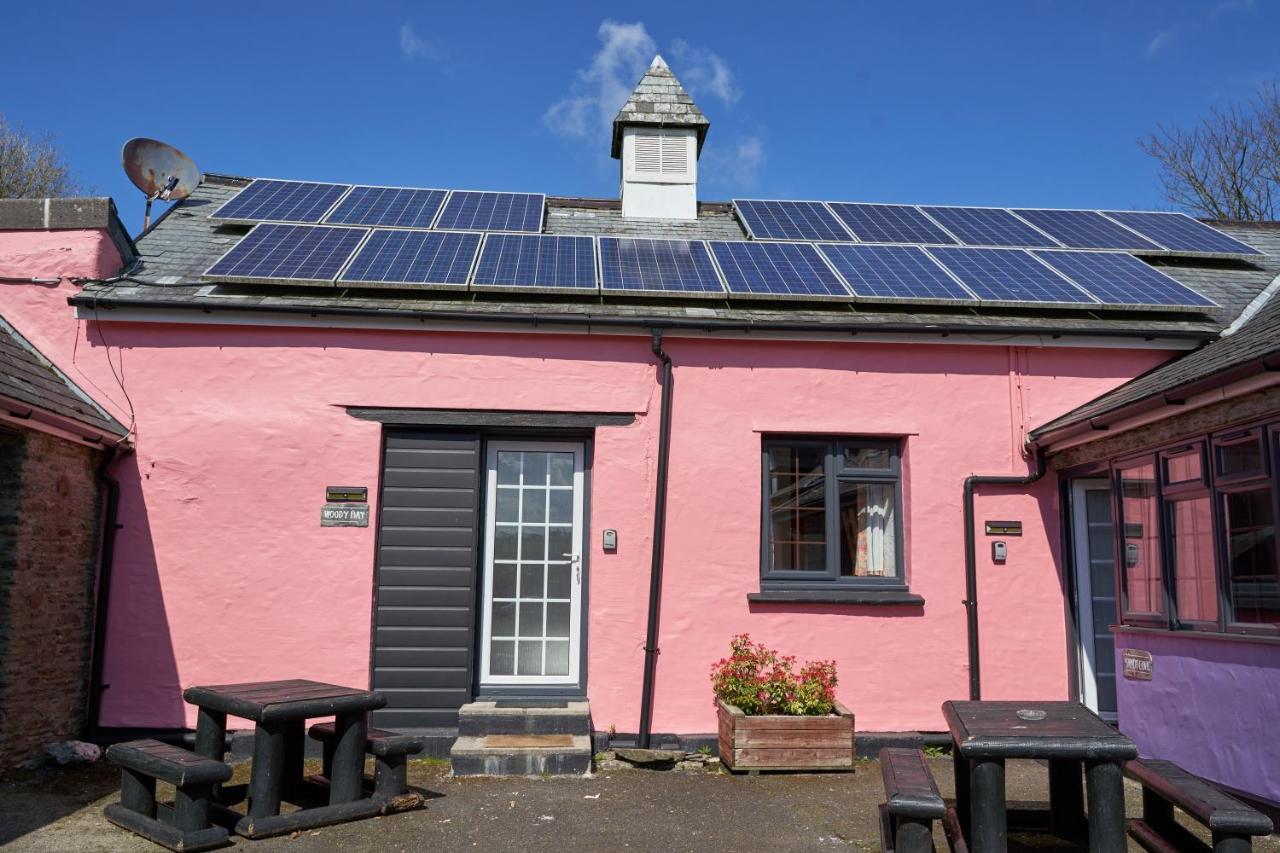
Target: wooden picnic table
{"x":280,"y":710}
{"x":1066,"y":734}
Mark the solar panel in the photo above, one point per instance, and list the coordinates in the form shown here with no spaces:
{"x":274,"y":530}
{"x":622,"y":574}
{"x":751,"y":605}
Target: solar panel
{"x":408,"y":258}
{"x":1180,"y":233}
{"x":790,"y":220}
{"x":674,"y":267}
{"x":776,"y":269}
{"x":1120,"y":279}
{"x":1084,"y":229}
{"x":1008,"y":275}
{"x":988,"y":226}
{"x":281,"y":201}
{"x":297,"y":254}
{"x":893,"y":272}
{"x":889,"y":223}
{"x":397,"y":207}
{"x":536,"y":262}
{"x":477,"y":211}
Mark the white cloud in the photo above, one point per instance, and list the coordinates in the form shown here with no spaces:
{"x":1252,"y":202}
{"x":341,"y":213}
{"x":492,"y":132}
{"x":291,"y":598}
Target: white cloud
{"x":704,"y":73}
{"x":414,"y":46}
{"x":602,"y":88}
{"x":736,"y":166}
{"x":1227,"y":6}
{"x":1157,"y":44}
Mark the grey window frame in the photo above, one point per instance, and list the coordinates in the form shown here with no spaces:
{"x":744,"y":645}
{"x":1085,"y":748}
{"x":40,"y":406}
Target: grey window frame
{"x":834,"y":474}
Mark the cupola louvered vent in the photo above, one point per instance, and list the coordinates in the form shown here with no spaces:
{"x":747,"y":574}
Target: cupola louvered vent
{"x":662,"y":154}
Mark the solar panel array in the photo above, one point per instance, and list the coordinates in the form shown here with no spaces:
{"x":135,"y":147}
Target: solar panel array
{"x":383,"y":257}
{"x":315,"y":233}
{"x":268,"y":200}
{"x":983,"y":227}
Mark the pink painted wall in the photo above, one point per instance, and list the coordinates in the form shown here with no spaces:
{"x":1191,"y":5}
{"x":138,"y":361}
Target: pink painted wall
{"x":224,"y":574}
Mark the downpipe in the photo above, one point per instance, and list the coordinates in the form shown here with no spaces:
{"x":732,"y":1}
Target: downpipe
{"x":659,"y":542}
{"x":102,"y":593}
{"x":970,"y":601}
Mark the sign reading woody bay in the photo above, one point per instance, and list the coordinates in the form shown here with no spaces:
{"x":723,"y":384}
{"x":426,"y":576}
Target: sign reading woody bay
{"x":1137,"y":665}
{"x":344,"y":515}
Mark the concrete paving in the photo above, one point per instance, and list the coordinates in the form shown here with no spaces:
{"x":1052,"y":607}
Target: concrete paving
{"x":61,"y":810}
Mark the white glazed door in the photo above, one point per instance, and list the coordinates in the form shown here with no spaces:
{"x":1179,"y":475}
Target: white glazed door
{"x":532,"y":615}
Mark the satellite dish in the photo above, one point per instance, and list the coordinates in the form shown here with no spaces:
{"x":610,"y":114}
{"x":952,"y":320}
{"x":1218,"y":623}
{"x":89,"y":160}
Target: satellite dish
{"x":159,"y":170}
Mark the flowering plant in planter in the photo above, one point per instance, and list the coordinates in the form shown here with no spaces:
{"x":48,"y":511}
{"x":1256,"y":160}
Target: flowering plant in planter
{"x":758,"y":680}
{"x":773,"y":717}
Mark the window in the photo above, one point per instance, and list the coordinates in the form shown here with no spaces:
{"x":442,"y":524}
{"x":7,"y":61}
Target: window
{"x":1198,"y":541}
{"x":1139,"y":514}
{"x":832,"y":514}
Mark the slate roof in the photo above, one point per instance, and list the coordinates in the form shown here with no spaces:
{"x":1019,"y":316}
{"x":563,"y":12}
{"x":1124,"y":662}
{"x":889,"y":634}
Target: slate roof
{"x":183,"y":243}
{"x":659,"y":101}
{"x":1258,"y":337}
{"x":28,"y":377}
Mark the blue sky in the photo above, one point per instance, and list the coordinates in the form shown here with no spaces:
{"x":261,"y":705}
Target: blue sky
{"x":1036,"y":103}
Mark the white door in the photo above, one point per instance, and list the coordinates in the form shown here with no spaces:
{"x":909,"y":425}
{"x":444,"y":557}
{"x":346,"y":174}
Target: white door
{"x":532,"y":616}
{"x":1095,"y":571}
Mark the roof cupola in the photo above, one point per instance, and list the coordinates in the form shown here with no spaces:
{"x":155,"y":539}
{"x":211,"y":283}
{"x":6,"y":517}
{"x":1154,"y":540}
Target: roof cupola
{"x":658,"y":136}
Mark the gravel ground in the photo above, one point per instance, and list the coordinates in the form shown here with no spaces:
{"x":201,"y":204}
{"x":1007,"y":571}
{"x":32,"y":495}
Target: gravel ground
{"x":61,"y":810}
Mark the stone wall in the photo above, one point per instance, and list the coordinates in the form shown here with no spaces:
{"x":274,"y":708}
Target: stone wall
{"x":50,"y":525}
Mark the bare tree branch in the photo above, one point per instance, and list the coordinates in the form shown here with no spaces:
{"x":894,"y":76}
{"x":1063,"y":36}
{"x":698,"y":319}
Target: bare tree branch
{"x":1228,"y":165}
{"x":32,"y":167}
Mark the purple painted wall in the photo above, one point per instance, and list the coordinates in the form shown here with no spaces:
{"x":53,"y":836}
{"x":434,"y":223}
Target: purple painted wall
{"x":1212,"y":706}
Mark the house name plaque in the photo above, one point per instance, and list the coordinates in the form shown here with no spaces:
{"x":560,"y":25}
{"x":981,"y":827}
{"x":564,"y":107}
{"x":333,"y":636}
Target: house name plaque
{"x":344,"y":515}
{"x":1137,"y":665}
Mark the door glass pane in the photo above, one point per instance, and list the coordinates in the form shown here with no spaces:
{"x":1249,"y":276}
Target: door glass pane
{"x":561,"y":469}
{"x":558,"y":620}
{"x":557,"y":657}
{"x":508,"y":468}
{"x":797,"y":508}
{"x":530,"y":658}
{"x":504,"y":618}
{"x":868,"y":538}
{"x":561,"y":509}
{"x":502,"y":657}
{"x":532,"y":548}
{"x":1251,"y":556}
{"x":533,"y":506}
{"x":1141,"y":550}
{"x":1194,"y":576}
{"x":504,"y":542}
{"x":559,"y":578}
{"x":504,"y":581}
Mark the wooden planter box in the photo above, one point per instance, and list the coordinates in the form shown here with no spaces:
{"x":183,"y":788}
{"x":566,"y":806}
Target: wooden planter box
{"x":776,"y":742}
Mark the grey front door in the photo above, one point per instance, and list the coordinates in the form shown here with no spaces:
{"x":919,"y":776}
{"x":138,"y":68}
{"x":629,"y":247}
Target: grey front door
{"x":424,"y":618}
{"x":1095,"y":574}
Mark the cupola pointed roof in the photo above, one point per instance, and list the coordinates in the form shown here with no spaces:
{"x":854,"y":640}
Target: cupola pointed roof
{"x":659,"y":101}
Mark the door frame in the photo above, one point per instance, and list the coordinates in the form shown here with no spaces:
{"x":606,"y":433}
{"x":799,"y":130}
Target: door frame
{"x":1085,"y":648}
{"x":586,"y":441}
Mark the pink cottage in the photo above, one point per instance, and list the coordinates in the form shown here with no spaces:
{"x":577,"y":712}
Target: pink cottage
{"x":464,"y":447}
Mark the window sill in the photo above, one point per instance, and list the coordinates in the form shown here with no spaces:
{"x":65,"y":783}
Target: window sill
{"x":1264,"y":639}
{"x":837,"y":596}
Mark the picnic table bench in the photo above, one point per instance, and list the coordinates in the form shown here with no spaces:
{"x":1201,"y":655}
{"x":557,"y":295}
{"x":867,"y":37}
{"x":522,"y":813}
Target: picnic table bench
{"x":912,"y":802}
{"x":280,"y":710}
{"x":185,"y":826}
{"x":1165,"y":785}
